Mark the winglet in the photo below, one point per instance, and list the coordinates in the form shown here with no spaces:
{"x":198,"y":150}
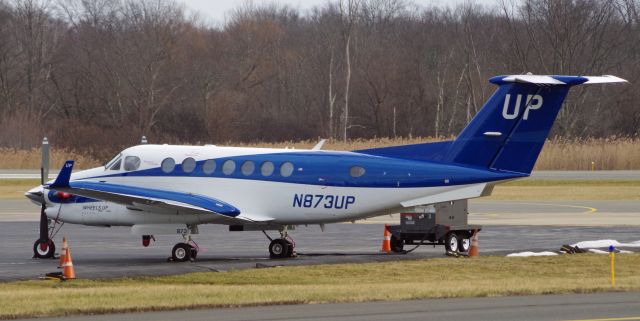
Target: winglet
{"x":65,"y":175}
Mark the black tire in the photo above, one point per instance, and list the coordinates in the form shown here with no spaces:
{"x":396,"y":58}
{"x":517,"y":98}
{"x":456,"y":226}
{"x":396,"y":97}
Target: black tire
{"x":194,"y":252}
{"x":397,"y":245}
{"x":451,"y":242}
{"x":279,"y":249}
{"x":181,"y":252}
{"x":49,"y":251}
{"x":464,"y":244}
{"x":290,"y":248}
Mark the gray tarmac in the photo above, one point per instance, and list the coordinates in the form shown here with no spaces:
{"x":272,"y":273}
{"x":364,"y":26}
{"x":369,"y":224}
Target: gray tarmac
{"x":114,"y":252}
{"x":585,"y":307}
{"x":509,"y":227}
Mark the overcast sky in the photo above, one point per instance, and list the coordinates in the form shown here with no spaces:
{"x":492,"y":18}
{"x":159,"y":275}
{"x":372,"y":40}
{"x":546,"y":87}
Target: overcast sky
{"x":214,"y":11}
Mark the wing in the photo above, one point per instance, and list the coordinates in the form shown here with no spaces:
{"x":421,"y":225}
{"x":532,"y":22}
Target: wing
{"x":132,"y":195}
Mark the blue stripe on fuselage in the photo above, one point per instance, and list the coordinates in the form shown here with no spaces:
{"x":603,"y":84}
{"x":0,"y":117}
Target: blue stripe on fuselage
{"x":326,"y":168}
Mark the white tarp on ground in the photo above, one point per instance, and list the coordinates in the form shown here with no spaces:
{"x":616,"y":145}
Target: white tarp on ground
{"x":527,"y":254}
{"x":604,"y":244}
{"x":607,"y":252}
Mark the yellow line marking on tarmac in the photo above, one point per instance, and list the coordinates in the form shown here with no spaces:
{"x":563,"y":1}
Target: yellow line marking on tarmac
{"x":611,"y":319}
{"x":590,"y":210}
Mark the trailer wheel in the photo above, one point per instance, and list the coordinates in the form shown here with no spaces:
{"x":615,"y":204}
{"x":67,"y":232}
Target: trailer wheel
{"x":451,"y":242}
{"x":397,"y":245}
{"x":464,"y":244}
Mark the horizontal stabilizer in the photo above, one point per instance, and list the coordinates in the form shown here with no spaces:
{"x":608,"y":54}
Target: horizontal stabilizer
{"x":556,"y":80}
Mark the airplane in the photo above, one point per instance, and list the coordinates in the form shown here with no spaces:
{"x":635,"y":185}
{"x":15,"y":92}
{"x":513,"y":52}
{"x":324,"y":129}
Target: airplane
{"x":171,"y":189}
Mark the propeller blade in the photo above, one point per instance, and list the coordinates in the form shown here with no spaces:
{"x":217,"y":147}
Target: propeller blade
{"x":44,"y":176}
{"x":44,"y":168}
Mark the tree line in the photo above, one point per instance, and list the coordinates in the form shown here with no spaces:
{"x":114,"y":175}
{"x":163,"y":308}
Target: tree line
{"x":96,"y":75}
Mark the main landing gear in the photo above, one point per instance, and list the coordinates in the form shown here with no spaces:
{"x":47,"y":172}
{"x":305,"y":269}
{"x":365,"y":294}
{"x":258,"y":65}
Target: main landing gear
{"x":283,"y":247}
{"x":186,"y":251}
{"x":183,"y":252}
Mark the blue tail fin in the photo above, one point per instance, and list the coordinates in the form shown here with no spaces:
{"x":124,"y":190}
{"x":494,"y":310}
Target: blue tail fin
{"x":509,"y":131}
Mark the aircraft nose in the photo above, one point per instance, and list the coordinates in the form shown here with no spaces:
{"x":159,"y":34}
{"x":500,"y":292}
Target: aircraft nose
{"x":36,"y":194}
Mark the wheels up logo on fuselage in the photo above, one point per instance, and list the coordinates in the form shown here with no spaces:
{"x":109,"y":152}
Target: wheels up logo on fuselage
{"x":533,"y":102}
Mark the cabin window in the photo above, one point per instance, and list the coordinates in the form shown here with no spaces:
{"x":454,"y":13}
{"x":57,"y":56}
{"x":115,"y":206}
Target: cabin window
{"x":131,"y":163}
{"x":188,"y":165}
{"x":286,"y":169}
{"x":356,"y":171}
{"x":228,"y":167}
{"x":168,"y":164}
{"x":266,"y":169}
{"x":209,"y":166}
{"x":247,"y":168}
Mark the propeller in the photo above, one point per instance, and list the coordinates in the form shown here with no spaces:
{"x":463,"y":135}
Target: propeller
{"x":44,"y":175}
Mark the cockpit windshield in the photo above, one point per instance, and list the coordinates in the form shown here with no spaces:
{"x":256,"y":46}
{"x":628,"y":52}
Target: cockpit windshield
{"x":113,"y":161}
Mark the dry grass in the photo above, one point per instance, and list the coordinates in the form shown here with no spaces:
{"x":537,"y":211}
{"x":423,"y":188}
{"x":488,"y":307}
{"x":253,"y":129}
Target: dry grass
{"x":486,"y":276}
{"x":558,"y":154}
{"x":606,"y":154}
{"x":31,"y":158}
{"x":15,"y":188}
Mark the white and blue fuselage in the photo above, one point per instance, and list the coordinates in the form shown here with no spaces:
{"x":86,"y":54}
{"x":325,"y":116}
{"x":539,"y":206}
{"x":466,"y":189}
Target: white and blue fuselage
{"x":279,"y":186}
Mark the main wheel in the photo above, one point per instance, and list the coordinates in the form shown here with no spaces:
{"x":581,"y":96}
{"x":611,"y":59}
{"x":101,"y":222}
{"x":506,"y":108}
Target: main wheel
{"x":181,"y":252}
{"x":44,"y":250}
{"x":397,"y":245}
{"x":279,"y":249}
{"x":464,"y":244}
{"x":451,"y":242}
{"x":290,"y":248}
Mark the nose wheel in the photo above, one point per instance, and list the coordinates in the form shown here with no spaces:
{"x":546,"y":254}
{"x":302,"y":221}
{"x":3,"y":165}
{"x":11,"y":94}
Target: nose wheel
{"x":44,"y":249}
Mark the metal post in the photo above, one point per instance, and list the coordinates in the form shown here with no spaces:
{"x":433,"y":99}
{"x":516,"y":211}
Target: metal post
{"x":612,"y":255}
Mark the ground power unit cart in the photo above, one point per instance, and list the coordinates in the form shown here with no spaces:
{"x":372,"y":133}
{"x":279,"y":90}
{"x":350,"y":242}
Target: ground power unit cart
{"x":439,"y":224}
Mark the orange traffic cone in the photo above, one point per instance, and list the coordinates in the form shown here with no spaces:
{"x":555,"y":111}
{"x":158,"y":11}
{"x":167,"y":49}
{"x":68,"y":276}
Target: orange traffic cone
{"x":68,"y":272}
{"x":473,"y":250}
{"x":386,"y":242}
{"x":63,"y":253}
